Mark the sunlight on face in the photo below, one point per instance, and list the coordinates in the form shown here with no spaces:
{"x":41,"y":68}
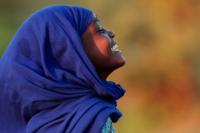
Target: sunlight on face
{"x":101,"y":48}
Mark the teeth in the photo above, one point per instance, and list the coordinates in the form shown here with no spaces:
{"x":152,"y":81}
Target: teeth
{"x":115,"y":48}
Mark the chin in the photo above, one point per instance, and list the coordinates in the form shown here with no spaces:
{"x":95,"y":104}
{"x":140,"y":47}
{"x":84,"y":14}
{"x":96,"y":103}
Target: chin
{"x":121,"y":63}
{"x":118,"y":63}
{"x":119,"y":58}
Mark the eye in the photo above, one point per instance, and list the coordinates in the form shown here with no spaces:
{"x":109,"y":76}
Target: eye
{"x":102,"y":30}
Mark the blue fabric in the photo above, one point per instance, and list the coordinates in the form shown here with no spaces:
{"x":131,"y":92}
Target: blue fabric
{"x":47,"y":82}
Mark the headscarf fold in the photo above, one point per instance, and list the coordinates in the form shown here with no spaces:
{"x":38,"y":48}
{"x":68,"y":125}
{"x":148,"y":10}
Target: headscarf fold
{"x":47,"y":82}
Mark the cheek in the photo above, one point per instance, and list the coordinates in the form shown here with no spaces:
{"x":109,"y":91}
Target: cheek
{"x":103,"y":46}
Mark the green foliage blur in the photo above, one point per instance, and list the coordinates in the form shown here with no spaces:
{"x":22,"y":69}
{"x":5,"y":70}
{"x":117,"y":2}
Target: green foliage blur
{"x":160,"y":40}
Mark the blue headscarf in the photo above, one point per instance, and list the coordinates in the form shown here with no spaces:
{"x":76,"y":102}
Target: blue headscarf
{"x":47,"y":82}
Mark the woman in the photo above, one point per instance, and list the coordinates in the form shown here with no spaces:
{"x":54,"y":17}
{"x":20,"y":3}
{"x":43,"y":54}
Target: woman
{"x":53,"y":75}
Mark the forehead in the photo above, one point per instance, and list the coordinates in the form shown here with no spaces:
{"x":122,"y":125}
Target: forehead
{"x":95,"y":24}
{"x":97,"y":21}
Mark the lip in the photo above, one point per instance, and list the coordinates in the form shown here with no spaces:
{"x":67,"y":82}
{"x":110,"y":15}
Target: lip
{"x":115,"y":48}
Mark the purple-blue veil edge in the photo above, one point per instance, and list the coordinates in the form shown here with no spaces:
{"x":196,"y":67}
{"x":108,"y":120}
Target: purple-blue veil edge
{"x":47,"y":82}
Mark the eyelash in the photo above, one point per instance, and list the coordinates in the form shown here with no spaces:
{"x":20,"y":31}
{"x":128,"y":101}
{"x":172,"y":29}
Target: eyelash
{"x":102,"y":30}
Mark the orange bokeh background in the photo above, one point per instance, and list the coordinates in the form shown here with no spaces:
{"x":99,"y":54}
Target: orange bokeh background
{"x":160,"y":40}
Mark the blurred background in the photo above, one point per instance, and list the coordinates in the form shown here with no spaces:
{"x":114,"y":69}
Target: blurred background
{"x":160,"y":40}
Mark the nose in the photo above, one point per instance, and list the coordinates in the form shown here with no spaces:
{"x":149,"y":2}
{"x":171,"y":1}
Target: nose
{"x":111,"y":34}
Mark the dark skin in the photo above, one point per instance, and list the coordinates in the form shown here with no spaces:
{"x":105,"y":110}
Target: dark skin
{"x":102,"y":50}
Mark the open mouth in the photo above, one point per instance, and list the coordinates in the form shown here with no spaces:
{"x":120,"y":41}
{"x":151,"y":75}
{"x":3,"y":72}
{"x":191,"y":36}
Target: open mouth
{"x":115,"y":47}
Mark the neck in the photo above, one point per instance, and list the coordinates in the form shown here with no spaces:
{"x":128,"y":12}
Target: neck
{"x":104,"y":74}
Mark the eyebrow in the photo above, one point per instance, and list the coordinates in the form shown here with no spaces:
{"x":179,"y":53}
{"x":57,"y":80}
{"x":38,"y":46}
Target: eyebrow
{"x":96,"y":19}
{"x":97,"y":23}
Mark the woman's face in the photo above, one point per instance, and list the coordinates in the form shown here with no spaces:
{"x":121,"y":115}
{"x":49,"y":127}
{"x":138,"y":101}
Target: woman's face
{"x":101,"y":48}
